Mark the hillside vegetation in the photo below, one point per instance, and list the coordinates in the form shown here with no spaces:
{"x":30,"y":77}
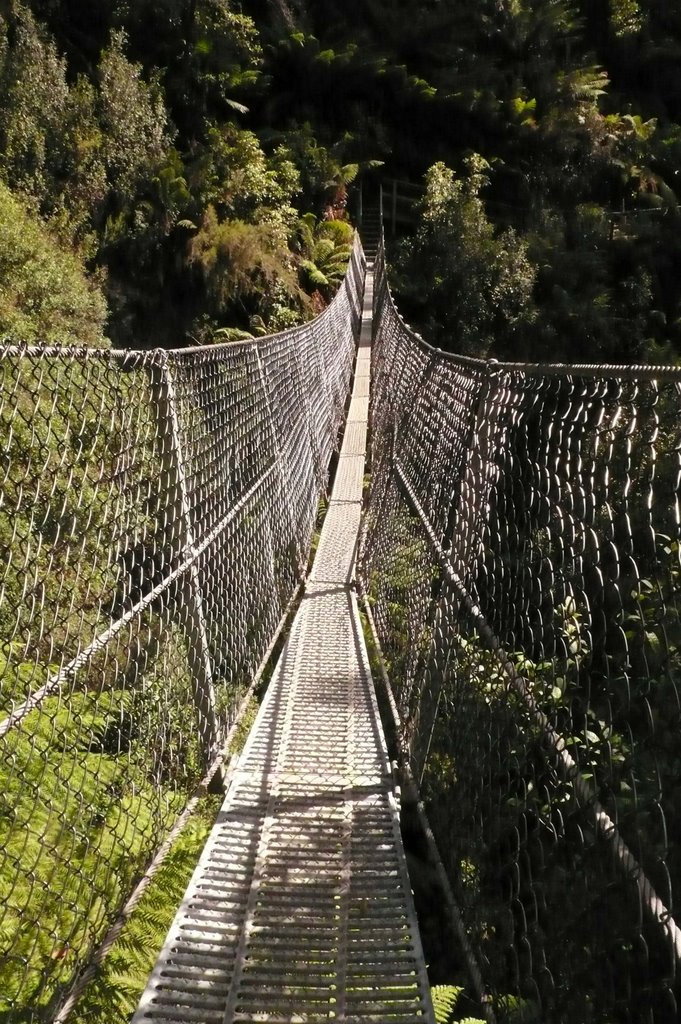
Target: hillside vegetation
{"x":170,"y":149}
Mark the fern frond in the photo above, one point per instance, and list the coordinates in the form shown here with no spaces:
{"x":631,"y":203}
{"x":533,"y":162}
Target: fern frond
{"x":323,"y":250}
{"x":341,"y":231}
{"x":587,"y":84}
{"x":445,"y":998}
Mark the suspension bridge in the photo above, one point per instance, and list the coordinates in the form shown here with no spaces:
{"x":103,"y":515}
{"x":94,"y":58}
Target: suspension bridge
{"x":515,"y":562}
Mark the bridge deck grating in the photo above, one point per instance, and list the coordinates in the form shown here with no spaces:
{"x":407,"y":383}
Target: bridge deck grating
{"x":300,"y":908}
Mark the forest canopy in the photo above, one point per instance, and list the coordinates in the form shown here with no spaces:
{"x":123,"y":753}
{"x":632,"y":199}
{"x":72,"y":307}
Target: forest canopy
{"x":184,"y":156}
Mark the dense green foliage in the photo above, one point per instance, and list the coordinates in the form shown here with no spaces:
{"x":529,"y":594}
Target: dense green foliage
{"x":471,"y":285}
{"x":45,"y":295}
{"x":175,"y":145}
{"x":575,"y":107}
{"x":123,"y":133}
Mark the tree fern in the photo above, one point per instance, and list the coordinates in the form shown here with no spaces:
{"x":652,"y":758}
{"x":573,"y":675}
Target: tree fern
{"x":585,"y":84}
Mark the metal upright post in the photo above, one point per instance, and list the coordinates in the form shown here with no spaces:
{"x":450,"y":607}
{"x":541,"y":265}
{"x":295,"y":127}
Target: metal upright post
{"x":284,"y":482}
{"x":191,"y":612}
{"x":478,"y":480}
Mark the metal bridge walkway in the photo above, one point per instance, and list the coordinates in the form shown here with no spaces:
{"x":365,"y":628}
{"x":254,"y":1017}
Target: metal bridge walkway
{"x":300,"y":908}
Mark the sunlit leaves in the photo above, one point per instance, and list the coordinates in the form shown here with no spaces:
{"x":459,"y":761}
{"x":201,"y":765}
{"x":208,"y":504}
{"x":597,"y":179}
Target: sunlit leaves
{"x":32,"y":111}
{"x":133,"y":120}
{"x":240,"y":262}
{"x":626,"y":17}
{"x":45,"y":296}
{"x":473,"y":284}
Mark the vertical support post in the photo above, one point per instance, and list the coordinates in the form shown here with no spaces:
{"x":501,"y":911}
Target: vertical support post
{"x":360,"y":212}
{"x":380,"y":202}
{"x":190,"y":610}
{"x":478,"y":480}
{"x":313,"y":429}
{"x":394,"y":217}
{"x":284,"y":483}
{"x":418,"y":394}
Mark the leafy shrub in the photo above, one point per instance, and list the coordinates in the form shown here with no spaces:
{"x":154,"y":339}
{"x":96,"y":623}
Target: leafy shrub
{"x":46,"y":297}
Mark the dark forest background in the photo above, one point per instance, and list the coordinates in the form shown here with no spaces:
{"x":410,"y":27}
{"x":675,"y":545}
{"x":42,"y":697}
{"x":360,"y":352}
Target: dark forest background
{"x":182,"y":171}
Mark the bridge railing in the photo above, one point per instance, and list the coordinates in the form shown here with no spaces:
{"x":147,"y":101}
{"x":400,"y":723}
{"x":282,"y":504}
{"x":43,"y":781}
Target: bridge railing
{"x":156,"y":512}
{"x":522,"y":554}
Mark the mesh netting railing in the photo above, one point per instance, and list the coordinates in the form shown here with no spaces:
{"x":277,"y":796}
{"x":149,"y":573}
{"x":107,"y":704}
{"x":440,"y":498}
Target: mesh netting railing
{"x":522,"y":558}
{"x":156,"y":512}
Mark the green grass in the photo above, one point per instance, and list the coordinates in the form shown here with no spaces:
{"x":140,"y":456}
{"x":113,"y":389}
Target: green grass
{"x":113,"y":995}
{"x":77,"y":826}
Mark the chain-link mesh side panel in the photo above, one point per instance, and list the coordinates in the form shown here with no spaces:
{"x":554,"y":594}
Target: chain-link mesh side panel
{"x":98,"y":729}
{"x":522,"y":553}
{"x":155,"y":516}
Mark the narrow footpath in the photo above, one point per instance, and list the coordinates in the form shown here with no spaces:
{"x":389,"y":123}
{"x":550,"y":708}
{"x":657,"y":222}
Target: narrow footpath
{"x":300,"y":908}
